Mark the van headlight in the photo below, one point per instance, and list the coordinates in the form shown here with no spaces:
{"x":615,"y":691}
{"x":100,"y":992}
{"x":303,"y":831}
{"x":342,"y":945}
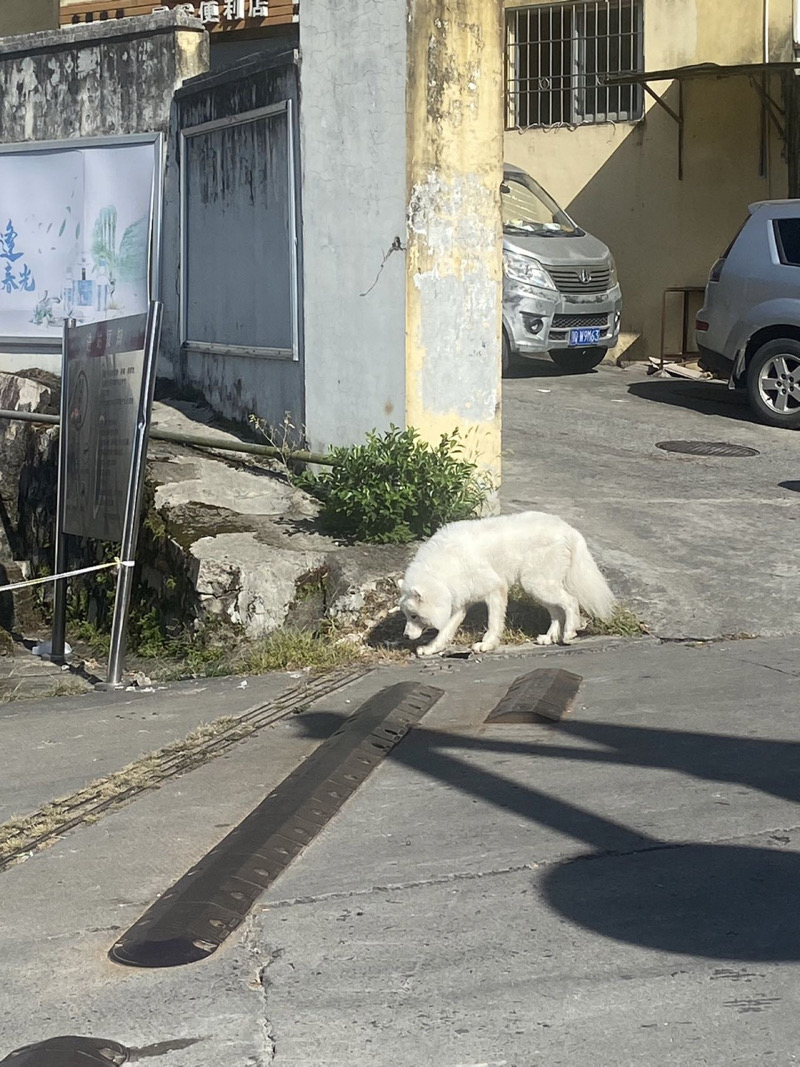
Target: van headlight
{"x":612,"y":272}
{"x":526,"y":270}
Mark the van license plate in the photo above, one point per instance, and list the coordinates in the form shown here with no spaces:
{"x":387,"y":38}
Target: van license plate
{"x":581,"y":338}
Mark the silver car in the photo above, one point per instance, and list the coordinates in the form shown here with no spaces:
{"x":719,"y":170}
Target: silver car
{"x":560,"y":288}
{"x":748,"y":329}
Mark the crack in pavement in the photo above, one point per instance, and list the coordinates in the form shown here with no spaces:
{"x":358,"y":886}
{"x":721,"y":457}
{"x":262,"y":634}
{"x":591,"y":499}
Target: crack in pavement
{"x":262,"y":984}
{"x":267,"y":1029}
{"x":471,"y":876}
{"x":769,"y":667}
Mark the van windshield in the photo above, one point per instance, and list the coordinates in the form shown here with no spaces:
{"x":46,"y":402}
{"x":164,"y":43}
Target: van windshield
{"x":527,"y":208}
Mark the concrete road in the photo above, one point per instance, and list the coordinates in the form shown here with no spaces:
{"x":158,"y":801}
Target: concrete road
{"x":615,"y":890}
{"x":698,"y":546}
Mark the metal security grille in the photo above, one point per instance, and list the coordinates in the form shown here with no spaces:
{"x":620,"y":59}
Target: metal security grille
{"x":557,"y":55}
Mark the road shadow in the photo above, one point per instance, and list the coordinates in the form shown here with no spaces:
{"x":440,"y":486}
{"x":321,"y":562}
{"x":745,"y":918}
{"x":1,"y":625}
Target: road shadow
{"x":522,"y":367}
{"x":717,"y":901}
{"x":524,"y":618}
{"x":706,"y":398}
{"x":724,"y":902}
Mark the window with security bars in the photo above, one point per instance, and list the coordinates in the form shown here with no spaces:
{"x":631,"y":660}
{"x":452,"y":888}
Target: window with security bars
{"x":558,"y":54}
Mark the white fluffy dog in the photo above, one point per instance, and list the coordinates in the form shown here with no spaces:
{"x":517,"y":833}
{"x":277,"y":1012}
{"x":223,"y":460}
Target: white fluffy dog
{"x":478,"y":560}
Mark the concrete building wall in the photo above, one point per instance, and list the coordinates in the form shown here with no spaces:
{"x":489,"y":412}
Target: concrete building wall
{"x":27,"y":16}
{"x":353,"y":149}
{"x":454,"y":283}
{"x":620,"y":181}
{"x":97,"y":79}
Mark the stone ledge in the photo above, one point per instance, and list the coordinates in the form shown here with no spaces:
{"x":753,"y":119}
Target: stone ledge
{"x":90,"y":33}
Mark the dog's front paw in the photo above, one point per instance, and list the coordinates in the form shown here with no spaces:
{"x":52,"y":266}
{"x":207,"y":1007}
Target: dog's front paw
{"x":544,"y":639}
{"x":485,"y":646}
{"x":427,"y":650}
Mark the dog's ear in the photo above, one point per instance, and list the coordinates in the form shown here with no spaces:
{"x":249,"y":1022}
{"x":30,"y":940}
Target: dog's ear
{"x":401,"y":585}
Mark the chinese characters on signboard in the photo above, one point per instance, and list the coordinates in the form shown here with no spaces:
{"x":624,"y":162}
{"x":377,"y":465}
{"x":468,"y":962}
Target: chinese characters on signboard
{"x":219,"y":11}
{"x":16,"y":275}
{"x":104,"y":369}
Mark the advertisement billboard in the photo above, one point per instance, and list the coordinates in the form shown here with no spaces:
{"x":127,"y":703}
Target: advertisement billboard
{"x":79,"y":228}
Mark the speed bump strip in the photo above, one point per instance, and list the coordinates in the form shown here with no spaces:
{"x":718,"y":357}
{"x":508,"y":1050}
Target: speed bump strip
{"x":192,"y":919}
{"x":543,"y":695}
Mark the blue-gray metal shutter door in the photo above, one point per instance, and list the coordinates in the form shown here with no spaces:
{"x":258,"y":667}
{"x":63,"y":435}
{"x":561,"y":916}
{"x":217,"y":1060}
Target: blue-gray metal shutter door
{"x":239,"y":276}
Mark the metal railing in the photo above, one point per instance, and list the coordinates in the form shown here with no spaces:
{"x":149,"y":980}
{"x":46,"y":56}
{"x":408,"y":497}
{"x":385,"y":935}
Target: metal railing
{"x":557,"y":56}
{"x":197,"y":441}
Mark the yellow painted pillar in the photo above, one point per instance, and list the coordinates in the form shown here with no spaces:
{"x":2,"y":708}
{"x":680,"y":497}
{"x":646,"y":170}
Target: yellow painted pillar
{"x":454,"y":237}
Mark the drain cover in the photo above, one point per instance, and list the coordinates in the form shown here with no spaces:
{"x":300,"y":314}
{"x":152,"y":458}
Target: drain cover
{"x":191,"y":920}
{"x":68,"y":1052}
{"x":547,"y":694}
{"x":707,"y":448}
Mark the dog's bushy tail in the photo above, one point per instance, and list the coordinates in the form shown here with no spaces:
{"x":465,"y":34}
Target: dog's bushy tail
{"x":585,"y":582}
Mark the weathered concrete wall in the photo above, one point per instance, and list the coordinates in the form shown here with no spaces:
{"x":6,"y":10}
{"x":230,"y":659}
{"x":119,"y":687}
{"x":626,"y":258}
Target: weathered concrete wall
{"x":353,"y":141}
{"x":454,"y":286}
{"x":97,"y":79}
{"x":94,"y":80}
{"x":27,"y":16}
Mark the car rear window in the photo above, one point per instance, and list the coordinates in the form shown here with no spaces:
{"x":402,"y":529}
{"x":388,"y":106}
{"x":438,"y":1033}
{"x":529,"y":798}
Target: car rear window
{"x":787,"y":238}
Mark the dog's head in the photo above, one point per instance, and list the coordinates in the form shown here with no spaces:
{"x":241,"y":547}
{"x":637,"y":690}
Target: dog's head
{"x":427,"y":608}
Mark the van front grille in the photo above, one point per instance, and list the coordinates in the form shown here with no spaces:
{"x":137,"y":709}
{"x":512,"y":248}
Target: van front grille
{"x":584,"y":280}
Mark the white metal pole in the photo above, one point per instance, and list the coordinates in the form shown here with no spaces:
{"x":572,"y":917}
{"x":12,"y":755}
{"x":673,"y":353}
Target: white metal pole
{"x":766,"y":31}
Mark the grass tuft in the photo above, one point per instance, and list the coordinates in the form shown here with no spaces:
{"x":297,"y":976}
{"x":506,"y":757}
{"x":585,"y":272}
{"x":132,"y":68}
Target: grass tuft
{"x":623,"y":623}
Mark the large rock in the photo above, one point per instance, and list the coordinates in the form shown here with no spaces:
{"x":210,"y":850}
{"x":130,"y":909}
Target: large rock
{"x":27,"y":471}
{"x":225,"y":536}
{"x":28,"y":475}
{"x":248,"y":540}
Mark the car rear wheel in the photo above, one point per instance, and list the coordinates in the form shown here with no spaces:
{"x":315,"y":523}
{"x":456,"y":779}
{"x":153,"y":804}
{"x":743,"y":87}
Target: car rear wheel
{"x":773,"y":383}
{"x":577,"y":360}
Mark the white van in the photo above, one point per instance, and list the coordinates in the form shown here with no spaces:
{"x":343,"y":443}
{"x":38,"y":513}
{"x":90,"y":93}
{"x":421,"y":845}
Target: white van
{"x":560,"y":288}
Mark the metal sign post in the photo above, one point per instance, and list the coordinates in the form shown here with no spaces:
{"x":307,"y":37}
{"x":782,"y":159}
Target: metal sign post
{"x":59,"y":631}
{"x":134,"y":498}
{"x":108,"y":380}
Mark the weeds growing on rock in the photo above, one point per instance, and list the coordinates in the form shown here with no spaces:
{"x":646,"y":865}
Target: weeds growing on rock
{"x":396,"y":487}
{"x":623,"y":623}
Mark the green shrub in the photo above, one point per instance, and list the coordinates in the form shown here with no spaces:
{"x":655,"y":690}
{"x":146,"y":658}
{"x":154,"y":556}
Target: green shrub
{"x":396,"y":487}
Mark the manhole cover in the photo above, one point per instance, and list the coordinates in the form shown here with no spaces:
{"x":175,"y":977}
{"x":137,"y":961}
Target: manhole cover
{"x":69,"y":1052}
{"x":707,"y":448}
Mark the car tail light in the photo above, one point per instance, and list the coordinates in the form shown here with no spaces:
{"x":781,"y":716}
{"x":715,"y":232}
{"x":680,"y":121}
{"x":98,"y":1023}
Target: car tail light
{"x":700,"y":326}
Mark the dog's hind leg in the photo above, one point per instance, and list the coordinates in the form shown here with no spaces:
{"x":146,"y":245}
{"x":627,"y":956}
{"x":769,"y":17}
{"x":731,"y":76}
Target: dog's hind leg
{"x":496,"y":603}
{"x":444,"y":636}
{"x":554,"y":631}
{"x":564,"y":610}
{"x":572,"y":621}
